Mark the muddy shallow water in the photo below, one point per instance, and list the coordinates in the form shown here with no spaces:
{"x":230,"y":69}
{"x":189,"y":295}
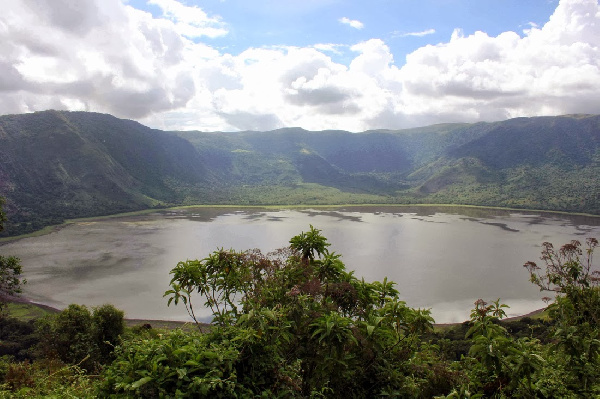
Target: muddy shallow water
{"x":441,"y":258}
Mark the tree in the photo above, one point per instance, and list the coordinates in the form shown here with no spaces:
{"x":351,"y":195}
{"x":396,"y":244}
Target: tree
{"x":10,"y":279}
{"x":78,"y":336}
{"x":310,"y":243}
{"x":109,"y":326}
{"x":291,"y":323}
{"x":2,"y":215}
{"x":10,"y":272}
{"x":569,"y":274}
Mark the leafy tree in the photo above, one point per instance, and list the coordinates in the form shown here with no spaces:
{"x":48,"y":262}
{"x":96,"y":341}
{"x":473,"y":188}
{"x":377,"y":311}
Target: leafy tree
{"x":501,"y":366}
{"x":310,"y":243}
{"x":10,"y":272}
{"x":292,"y":323}
{"x":570,"y":275}
{"x":109,"y":326}
{"x":78,"y":336}
{"x":68,"y":336}
{"x":10,"y":279}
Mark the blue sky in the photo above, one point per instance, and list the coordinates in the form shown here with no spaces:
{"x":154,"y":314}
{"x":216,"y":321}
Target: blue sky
{"x":319,"y":64}
{"x":403,"y":24}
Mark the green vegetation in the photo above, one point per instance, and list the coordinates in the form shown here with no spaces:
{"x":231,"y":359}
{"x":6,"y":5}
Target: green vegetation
{"x":59,"y":166}
{"x":27,"y":311}
{"x":78,"y":336}
{"x":65,"y":165}
{"x":10,"y":279}
{"x":10,"y":272}
{"x":296,"y":323}
{"x":58,"y":355}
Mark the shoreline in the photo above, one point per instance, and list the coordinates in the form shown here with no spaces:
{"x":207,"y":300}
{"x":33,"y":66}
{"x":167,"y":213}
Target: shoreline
{"x":57,"y":227}
{"x":158,"y":323}
{"x":146,"y":212}
{"x":129,"y":322}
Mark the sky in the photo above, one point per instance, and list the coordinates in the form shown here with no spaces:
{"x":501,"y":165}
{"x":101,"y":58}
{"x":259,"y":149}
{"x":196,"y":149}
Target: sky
{"x":356,"y":65}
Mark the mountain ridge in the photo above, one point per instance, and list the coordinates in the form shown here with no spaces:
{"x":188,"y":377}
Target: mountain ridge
{"x":58,"y":164}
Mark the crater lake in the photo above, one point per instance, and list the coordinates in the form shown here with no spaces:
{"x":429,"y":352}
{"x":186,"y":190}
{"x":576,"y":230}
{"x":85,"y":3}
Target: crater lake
{"x":443,"y":258}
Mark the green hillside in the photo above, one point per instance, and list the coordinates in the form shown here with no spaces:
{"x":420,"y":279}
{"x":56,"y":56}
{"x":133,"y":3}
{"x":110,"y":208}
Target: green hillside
{"x":56,"y":165}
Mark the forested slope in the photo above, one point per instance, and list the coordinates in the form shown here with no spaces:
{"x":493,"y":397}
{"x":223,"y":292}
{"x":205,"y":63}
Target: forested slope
{"x":56,"y":165}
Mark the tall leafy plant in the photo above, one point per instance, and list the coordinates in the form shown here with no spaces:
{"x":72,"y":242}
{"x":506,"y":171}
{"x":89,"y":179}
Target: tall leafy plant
{"x":570,"y":275}
{"x":328,"y":332}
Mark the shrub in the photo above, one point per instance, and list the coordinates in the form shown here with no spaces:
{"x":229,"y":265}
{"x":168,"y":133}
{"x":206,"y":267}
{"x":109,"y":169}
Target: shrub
{"x":108,"y":328}
{"x":78,"y":337}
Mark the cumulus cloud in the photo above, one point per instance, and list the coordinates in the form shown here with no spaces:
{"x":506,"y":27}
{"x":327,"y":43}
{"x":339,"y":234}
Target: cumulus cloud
{"x":551,"y":70}
{"x":106,"y":56}
{"x":352,"y":22}
{"x":103,"y":56}
{"x":189,"y":21}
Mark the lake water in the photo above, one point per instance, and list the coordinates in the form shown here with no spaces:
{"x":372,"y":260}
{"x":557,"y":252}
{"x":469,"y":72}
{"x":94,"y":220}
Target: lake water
{"x":441,"y":258}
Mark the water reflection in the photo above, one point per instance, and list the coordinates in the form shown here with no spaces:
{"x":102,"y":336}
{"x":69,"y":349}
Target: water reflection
{"x":441,"y":257}
{"x":351,"y":217}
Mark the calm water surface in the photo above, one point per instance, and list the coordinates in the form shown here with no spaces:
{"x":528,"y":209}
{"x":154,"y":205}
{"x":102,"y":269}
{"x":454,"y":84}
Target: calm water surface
{"x":441,"y":258}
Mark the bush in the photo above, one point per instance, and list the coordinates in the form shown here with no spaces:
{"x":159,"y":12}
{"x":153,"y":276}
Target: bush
{"x":305,"y":326}
{"x":45,"y":378}
{"x":108,"y":328}
{"x":178,"y":363}
{"x":17,"y":338}
{"x":77,"y":336}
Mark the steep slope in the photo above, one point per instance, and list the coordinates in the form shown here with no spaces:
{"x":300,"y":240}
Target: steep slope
{"x":57,"y":165}
{"x":544,"y":162}
{"x":566,"y":140}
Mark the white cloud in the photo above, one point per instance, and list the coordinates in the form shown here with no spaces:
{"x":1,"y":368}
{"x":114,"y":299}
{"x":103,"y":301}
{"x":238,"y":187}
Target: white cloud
{"x":102,"y":55}
{"x":329,"y":48}
{"x":352,"y":22}
{"x":552,"y":70}
{"x":417,"y":34}
{"x":113,"y":58}
{"x":190,"y":22}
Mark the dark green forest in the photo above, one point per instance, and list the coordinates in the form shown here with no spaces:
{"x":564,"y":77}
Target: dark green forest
{"x":57,"y":165}
{"x":296,"y":324}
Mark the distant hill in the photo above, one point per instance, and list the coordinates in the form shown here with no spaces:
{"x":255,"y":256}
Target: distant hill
{"x":56,"y":165}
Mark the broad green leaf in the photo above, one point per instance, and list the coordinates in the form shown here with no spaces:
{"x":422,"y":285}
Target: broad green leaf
{"x":141,"y":382}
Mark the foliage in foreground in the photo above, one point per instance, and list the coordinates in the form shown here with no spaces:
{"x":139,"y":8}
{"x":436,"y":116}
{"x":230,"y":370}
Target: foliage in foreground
{"x":80,"y":337}
{"x":295,"y":323}
{"x":45,"y":378}
{"x":60,"y":354}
